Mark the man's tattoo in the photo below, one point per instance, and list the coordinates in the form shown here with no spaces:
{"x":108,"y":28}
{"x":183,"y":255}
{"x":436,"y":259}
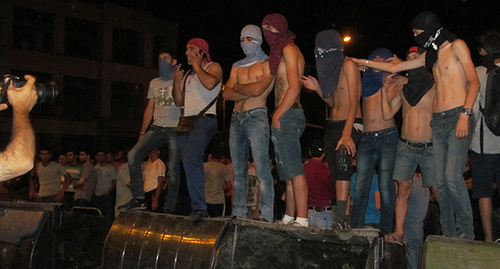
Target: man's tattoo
{"x":279,"y":89}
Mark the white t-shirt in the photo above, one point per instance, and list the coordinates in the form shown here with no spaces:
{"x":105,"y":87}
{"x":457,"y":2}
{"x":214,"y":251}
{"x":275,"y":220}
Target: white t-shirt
{"x":105,"y":176}
{"x":491,"y":141}
{"x":152,"y":171}
{"x":49,"y":178}
{"x":166,"y":114}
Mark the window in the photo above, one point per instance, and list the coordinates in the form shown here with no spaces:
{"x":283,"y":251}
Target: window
{"x":82,"y":39}
{"x":128,"y":47}
{"x":33,"y":30}
{"x":80,"y":98}
{"x":126,"y":101}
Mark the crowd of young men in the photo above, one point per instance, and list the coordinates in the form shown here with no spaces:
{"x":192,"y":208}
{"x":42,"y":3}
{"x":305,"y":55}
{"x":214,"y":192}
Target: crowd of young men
{"x":437,"y":112}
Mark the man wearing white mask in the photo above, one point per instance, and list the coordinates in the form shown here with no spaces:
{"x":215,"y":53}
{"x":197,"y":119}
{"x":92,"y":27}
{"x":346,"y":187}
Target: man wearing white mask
{"x":249,"y":84}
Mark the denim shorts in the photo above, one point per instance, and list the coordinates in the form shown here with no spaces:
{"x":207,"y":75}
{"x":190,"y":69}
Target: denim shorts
{"x":485,"y":171}
{"x":286,"y":142}
{"x":409,"y":155}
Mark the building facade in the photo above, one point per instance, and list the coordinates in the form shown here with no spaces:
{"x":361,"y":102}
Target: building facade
{"x":101,"y":56}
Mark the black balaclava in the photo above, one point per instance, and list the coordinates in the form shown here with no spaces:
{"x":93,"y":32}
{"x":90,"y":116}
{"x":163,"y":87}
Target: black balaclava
{"x":420,"y":81}
{"x":433,"y":35}
{"x":330,"y":58}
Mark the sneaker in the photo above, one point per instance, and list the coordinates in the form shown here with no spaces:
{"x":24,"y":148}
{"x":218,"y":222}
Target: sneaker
{"x":345,"y":230}
{"x":198,"y":215}
{"x":133,"y":204}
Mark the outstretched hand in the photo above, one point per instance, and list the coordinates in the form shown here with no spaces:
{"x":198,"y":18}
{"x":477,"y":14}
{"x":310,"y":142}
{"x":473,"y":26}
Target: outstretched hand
{"x":23,"y":98}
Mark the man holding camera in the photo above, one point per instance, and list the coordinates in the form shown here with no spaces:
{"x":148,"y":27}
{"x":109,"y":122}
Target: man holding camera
{"x":18,"y":156}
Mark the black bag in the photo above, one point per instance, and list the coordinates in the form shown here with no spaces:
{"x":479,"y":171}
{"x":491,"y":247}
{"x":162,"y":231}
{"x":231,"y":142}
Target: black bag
{"x":491,"y":111}
{"x":186,"y":124}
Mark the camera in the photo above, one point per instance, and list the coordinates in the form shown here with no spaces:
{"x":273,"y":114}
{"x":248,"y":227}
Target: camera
{"x":47,"y":92}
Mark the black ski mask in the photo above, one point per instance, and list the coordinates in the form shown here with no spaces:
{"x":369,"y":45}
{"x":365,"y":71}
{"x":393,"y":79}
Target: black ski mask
{"x":420,"y":81}
{"x":433,"y":35}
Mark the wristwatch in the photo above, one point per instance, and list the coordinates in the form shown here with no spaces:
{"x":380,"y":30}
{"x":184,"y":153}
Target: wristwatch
{"x":467,"y":111}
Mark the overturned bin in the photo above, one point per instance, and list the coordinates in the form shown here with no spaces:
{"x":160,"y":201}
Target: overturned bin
{"x":42,"y":235}
{"x":150,"y":240}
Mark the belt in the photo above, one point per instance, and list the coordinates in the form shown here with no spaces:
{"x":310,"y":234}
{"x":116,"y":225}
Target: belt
{"x":296,"y":105}
{"x":210,"y":115}
{"x":426,"y":144}
{"x":320,"y":208}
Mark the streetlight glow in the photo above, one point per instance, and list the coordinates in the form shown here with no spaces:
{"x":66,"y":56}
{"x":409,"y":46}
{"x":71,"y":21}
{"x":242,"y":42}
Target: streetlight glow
{"x":346,"y":39}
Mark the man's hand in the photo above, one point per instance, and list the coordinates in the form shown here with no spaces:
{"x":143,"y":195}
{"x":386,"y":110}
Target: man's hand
{"x":23,"y":98}
{"x":394,"y":59}
{"x":462,"y":129}
{"x":196,"y":59}
{"x":310,"y":82}
{"x":178,"y":73}
{"x":60,"y":196}
{"x":276,"y":122}
{"x":348,"y":143}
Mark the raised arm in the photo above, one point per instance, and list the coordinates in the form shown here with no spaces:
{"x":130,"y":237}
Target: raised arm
{"x":18,"y":157}
{"x":392,"y":106}
{"x":209,"y":77}
{"x":393,"y":67}
{"x":179,"y":79}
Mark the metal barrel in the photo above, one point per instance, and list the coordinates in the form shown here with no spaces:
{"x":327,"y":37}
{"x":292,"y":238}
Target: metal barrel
{"x":151,"y":240}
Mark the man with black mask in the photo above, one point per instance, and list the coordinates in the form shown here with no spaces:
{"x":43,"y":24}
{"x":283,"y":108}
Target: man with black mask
{"x":248,"y":86}
{"x":414,"y":147}
{"x":456,"y":88}
{"x":340,"y":87}
{"x":165,"y":115}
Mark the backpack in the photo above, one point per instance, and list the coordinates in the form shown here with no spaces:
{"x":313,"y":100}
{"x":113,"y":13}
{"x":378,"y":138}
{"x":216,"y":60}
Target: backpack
{"x":491,"y":111}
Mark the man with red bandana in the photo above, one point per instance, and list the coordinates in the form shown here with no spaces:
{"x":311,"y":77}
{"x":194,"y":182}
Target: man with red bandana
{"x":288,"y":123}
{"x":194,"y":91}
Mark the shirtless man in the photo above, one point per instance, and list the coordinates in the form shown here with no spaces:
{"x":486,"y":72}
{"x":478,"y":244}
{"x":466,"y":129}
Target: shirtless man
{"x":377,"y":147}
{"x":288,"y":123}
{"x":340,"y":87}
{"x":415,"y":143}
{"x":249,"y":84}
{"x":456,"y":85}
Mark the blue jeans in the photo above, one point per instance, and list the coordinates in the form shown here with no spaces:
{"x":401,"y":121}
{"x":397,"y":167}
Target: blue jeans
{"x":450,"y":155}
{"x":193,"y":147}
{"x":414,"y":223}
{"x":250,"y":132}
{"x":376,"y":149}
{"x":323,"y":219}
{"x":154,"y":138}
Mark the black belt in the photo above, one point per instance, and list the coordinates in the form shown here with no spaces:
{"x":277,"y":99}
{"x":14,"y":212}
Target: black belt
{"x":416,"y":144}
{"x":320,"y":208}
{"x":296,"y":105}
{"x":210,"y":115}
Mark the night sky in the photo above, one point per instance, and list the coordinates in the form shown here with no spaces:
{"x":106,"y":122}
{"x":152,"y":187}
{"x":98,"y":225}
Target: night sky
{"x":372,"y":23}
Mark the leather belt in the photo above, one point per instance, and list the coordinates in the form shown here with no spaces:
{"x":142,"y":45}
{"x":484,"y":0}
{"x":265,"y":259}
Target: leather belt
{"x":427,"y":144}
{"x":210,"y":115}
{"x":320,"y":208}
{"x":296,"y":105}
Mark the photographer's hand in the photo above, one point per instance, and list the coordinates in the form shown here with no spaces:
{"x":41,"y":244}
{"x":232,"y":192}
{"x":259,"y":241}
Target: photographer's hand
{"x":24,"y":98}
{"x":19,"y":155}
